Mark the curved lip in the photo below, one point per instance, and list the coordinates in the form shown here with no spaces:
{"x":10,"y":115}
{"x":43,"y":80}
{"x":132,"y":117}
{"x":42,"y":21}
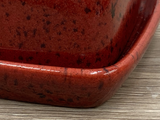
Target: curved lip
{"x":145,"y":35}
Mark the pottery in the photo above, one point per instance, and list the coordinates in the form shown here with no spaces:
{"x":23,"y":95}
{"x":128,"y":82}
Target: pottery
{"x":71,"y":53}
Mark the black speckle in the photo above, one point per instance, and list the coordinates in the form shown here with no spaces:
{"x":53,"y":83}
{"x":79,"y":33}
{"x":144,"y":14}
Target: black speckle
{"x":74,"y":21}
{"x":46,"y":15}
{"x":98,"y":2}
{"x":25,"y":33}
{"x":48,"y":22}
{"x":18,"y":33}
{"x":116,"y":45}
{"x":63,"y":22}
{"x":106,"y":70}
{"x":78,"y":98}
{"x":106,"y":36}
{"x":70,"y":100}
{"x":75,"y":29}
{"x":7,"y":14}
{"x":75,"y":45}
{"x":120,"y":15}
{"x":20,"y":58}
{"x":47,"y":61}
{"x":15,"y":82}
{"x":137,"y":55}
{"x":5,"y":77}
{"x":43,"y":45}
{"x":30,"y":86}
{"x":98,"y":59}
{"x":46,"y":29}
{"x":88,"y":64}
{"x":41,"y":95}
{"x":113,"y":9}
{"x":132,"y":56}
{"x":49,"y":92}
{"x":2,"y":5}
{"x":64,"y":28}
{"x":83,"y":31}
{"x":23,"y":3}
{"x":112,"y":49}
{"x":61,"y":99}
{"x":97,"y":54}
{"x":100,"y":85}
{"x":87,"y":10}
{"x":57,"y":54}
{"x":102,"y":42}
{"x":79,"y":61}
{"x":34,"y":32}
{"x":59,"y":33}
{"x":89,"y":94}
{"x":20,"y":45}
{"x":29,"y":58}
{"x":28,"y":17}
{"x":49,"y":100}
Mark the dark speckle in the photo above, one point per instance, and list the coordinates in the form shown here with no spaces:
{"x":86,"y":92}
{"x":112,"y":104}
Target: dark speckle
{"x":57,"y":54}
{"x":98,"y":59}
{"x":106,"y":70}
{"x":29,"y":58}
{"x":101,"y":85}
{"x":5,"y":77}
{"x":61,"y":99}
{"x":113,"y":9}
{"x":106,"y":36}
{"x":48,"y":22}
{"x":43,"y":45}
{"x":49,"y":92}
{"x":18,"y":33}
{"x":15,"y":82}
{"x":74,"y":21}
{"x":47,"y":61}
{"x":75,"y":29}
{"x":79,"y":61}
{"x":102,"y":42}
{"x":7,"y":14}
{"x":83,"y":31}
{"x":46,"y":15}
{"x":89,"y":94}
{"x":59,"y":33}
{"x":132,"y":56}
{"x":98,"y":2}
{"x":25,"y":33}
{"x":87,"y":10}
{"x":41,"y":95}
{"x":20,"y":45}
{"x":63,"y":22}
{"x":34,"y":32}
{"x":23,"y":3}
{"x":70,"y":100}
{"x":75,"y":45}
{"x":112,"y":49}
{"x":20,"y":58}
{"x":88,"y":64}
{"x":28,"y":17}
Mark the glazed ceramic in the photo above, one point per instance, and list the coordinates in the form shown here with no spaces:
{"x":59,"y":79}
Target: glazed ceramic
{"x":71,"y":53}
{"x":68,"y":33}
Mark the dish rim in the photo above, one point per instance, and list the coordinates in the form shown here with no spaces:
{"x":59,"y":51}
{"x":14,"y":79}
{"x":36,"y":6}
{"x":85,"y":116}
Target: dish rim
{"x":145,"y":36}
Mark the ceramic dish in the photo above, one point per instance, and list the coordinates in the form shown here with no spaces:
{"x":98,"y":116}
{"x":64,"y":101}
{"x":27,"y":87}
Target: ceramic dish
{"x":33,"y":72}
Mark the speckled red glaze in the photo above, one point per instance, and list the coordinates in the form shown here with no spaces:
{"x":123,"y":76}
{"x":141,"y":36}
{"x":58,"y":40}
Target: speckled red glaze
{"x":67,"y":33}
{"x":76,"y":87}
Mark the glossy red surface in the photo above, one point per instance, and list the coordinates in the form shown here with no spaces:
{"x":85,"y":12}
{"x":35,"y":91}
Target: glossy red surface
{"x":117,"y":32}
{"x":70,"y":33}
